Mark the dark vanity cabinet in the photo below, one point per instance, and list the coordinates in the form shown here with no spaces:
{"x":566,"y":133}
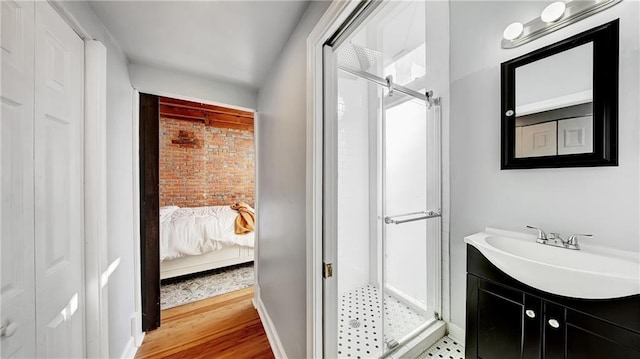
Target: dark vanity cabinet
{"x":508,"y":319}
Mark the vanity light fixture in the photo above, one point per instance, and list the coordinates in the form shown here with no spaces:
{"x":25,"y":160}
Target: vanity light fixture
{"x":553,"y":12}
{"x":554,"y":16}
{"x":513,"y":31}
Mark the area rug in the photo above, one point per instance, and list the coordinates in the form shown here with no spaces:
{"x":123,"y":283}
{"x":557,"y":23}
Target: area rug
{"x":179,"y":291}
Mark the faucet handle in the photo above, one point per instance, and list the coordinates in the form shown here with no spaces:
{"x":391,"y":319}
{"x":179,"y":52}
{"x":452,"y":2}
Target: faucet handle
{"x":542,"y":237}
{"x":573,"y":239}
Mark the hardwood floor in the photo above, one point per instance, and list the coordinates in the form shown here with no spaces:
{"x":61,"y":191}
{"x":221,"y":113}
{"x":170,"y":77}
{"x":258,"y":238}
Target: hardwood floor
{"x":225,"y":326}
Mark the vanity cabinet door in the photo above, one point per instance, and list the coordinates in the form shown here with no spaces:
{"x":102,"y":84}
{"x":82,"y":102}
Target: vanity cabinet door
{"x":590,"y":337}
{"x":573,"y":335}
{"x":502,"y":322}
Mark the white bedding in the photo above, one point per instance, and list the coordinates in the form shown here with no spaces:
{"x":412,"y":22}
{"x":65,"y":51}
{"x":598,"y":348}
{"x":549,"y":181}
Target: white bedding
{"x":192,"y":231}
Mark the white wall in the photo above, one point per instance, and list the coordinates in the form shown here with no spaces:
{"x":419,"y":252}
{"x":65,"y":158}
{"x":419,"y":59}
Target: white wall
{"x":119,"y":181}
{"x":353,"y":183}
{"x":281,"y":184}
{"x":189,"y":87}
{"x":406,"y":191}
{"x":603,"y":201}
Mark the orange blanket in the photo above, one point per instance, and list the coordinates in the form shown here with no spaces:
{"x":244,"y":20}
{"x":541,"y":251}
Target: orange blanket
{"x":246,"y":220}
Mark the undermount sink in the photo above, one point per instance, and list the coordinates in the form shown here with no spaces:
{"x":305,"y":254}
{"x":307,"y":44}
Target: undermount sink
{"x":593,"y":272}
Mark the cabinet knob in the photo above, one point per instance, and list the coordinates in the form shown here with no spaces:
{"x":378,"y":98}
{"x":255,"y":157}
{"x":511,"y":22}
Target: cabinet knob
{"x":530,"y":313}
{"x":554,"y":323}
{"x":8,"y":329}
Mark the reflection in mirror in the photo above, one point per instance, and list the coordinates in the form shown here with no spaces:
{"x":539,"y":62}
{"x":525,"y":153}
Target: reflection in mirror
{"x":554,"y":104}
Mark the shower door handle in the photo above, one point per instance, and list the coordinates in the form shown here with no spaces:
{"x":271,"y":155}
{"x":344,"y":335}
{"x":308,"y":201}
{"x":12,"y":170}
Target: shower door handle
{"x":423,"y":215}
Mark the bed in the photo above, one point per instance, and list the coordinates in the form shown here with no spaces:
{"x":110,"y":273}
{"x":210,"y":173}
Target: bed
{"x":196,"y":239}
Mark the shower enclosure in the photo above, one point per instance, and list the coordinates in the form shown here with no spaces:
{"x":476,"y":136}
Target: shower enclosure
{"x":382,"y":185}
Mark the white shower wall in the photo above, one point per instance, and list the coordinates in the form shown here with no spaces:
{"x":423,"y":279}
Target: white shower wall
{"x":406,"y":191}
{"x":353,"y":183}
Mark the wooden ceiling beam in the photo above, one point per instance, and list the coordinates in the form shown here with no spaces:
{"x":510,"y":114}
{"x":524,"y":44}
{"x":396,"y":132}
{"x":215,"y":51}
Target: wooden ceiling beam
{"x":206,"y":117}
{"x":205,"y":107}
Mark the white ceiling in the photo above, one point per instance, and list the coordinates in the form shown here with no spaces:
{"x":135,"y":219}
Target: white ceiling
{"x":233,"y":41}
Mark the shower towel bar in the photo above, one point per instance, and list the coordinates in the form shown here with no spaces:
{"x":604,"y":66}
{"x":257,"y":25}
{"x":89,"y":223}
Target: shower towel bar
{"x":425,"y":215}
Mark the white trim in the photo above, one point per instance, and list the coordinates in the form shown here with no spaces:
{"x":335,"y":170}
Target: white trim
{"x":137,"y":332}
{"x":330,"y":202}
{"x":130,"y":350}
{"x":256,"y":204}
{"x":63,"y":9}
{"x":70,"y":19}
{"x":333,"y":17}
{"x":455,"y":332}
{"x":269,"y":328}
{"x":95,"y":199}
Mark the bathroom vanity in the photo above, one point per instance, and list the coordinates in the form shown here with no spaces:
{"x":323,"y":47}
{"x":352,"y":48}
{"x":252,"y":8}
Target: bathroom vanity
{"x":509,"y":319}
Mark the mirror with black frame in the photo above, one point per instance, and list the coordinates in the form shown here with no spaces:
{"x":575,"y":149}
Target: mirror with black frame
{"x":560,"y":103}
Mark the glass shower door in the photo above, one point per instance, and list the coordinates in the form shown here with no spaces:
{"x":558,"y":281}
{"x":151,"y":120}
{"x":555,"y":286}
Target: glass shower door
{"x":411,"y":204}
{"x":382,"y":173}
{"x":387,"y":204}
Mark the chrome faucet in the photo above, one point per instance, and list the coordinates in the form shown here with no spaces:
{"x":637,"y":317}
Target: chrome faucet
{"x":555,"y":239}
{"x":542,"y":237}
{"x":572,"y":241}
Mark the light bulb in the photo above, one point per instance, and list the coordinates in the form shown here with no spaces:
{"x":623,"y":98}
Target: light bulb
{"x":512,"y":31}
{"x":553,"y":11}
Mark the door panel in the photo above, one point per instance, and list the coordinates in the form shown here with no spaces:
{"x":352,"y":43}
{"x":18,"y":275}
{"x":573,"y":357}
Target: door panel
{"x":59,"y":63}
{"x":500,"y":321}
{"x":590,"y":337}
{"x":585,"y":344}
{"x":16,"y":148}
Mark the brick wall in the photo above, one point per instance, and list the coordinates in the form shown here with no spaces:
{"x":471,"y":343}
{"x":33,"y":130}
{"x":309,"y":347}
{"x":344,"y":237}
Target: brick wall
{"x":204,"y":165}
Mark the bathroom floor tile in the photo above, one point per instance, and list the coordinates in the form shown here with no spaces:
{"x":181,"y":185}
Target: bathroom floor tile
{"x":446,"y":348}
{"x":359,"y":322}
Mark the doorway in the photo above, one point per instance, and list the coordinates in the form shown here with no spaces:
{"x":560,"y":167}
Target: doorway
{"x":197,"y":192}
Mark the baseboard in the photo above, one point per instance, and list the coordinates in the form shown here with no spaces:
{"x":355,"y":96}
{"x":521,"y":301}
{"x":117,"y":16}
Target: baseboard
{"x":136,"y":324}
{"x":130,"y":350}
{"x":455,"y":332}
{"x":135,"y":340}
{"x":269,"y":328}
{"x":139,"y":339}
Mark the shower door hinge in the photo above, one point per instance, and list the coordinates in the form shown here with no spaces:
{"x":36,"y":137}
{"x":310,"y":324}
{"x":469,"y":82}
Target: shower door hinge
{"x":327,"y":270}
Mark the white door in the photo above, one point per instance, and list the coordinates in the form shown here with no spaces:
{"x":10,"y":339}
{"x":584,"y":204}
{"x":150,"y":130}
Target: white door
{"x":16,"y":213}
{"x":59,"y":267}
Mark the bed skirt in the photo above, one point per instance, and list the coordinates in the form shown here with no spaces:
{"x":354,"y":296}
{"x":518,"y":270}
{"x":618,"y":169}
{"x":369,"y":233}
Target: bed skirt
{"x":224,"y":257}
